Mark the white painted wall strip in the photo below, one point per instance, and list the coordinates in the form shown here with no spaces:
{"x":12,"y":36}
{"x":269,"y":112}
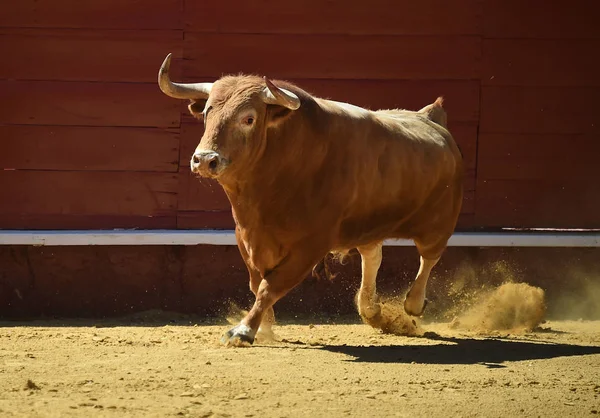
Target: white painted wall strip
{"x":219,"y":237}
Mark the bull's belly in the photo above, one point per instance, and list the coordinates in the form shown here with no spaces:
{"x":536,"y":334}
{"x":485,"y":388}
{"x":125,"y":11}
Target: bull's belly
{"x":418,"y":222}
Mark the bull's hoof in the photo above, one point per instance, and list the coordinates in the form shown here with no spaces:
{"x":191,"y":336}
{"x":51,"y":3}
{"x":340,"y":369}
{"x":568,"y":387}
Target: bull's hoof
{"x":413,"y":310}
{"x":370,"y":312}
{"x":239,"y":336}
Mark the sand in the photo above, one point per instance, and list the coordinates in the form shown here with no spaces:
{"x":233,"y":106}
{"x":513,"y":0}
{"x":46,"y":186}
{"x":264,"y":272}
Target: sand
{"x":160,"y":365}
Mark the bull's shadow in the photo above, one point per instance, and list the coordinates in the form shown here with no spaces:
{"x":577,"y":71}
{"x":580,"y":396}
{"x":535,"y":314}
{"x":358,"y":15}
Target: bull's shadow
{"x":489,"y":352}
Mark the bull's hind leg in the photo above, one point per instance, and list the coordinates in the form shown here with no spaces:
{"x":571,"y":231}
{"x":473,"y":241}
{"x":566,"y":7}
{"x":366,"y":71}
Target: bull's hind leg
{"x":415,"y":301}
{"x":431,"y":249}
{"x":368,"y":306}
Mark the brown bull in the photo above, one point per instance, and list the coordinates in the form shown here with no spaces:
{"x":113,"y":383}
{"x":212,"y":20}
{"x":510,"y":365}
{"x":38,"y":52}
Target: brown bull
{"x":307,"y":176}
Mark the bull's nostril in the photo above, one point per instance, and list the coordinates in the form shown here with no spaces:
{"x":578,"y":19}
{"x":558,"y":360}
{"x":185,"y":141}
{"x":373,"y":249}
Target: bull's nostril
{"x":196,"y":159}
{"x":212,"y":165}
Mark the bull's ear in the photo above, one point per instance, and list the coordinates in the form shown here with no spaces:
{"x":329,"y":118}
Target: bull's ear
{"x":196,"y":107}
{"x":276,"y":115}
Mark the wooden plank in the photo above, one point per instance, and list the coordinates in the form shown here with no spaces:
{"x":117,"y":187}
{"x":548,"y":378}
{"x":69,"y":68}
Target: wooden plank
{"x":384,"y":17}
{"x":89,"y":148}
{"x":72,"y":221}
{"x":62,"y":195}
{"x":86,"y":104}
{"x":551,"y":110}
{"x":566,"y":203}
{"x":93,"y":14}
{"x":86,"y":55}
{"x":332,"y":56}
{"x":538,"y":157}
{"x":205,"y":220}
{"x":521,"y":62}
{"x":541,"y":19}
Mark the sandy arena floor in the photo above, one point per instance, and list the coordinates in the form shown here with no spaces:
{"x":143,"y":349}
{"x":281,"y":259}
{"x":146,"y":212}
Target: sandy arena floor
{"x":157,"y":366}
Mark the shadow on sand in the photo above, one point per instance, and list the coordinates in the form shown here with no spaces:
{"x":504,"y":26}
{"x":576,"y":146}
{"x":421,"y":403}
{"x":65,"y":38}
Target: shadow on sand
{"x":490,"y":352}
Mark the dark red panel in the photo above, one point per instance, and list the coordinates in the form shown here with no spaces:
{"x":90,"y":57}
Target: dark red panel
{"x":200,"y":194}
{"x":468,"y":206}
{"x":538,"y":157}
{"x":551,"y":110}
{"x":334,"y":56}
{"x":425,"y":17}
{"x":89,"y":148}
{"x":466,"y":222}
{"x":545,"y":203}
{"x":205,"y":220}
{"x":86,"y":55}
{"x":93,"y":14}
{"x":86,"y":104}
{"x":520,"y":62}
{"x":64,"y":194}
{"x":541,"y":19}
{"x":465,"y":135}
{"x":191,"y":133}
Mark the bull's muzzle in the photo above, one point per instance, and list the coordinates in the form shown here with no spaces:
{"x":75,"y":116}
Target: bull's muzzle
{"x":207,"y":163}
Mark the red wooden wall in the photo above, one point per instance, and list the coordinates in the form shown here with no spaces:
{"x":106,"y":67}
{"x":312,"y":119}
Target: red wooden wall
{"x":89,"y":141}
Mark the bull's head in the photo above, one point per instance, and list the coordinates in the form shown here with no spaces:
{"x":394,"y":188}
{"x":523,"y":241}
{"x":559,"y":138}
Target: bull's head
{"x":237,"y":111}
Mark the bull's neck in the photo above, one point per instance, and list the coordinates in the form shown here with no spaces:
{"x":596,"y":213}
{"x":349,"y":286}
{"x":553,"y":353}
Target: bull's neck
{"x":294,"y":156}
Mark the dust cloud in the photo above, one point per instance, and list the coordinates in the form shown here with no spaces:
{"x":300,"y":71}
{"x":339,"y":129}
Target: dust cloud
{"x":234,"y":314}
{"x":491,"y":298}
{"x":512,"y":307}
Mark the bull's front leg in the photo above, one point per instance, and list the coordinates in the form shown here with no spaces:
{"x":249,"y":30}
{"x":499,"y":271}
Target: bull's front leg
{"x":275,"y":285}
{"x":368,"y":306}
{"x":266,"y":327}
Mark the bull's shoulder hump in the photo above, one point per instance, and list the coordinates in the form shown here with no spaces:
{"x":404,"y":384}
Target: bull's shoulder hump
{"x":345,"y":108}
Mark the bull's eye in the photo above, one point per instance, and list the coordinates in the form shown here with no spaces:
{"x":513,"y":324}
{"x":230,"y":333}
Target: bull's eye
{"x":249,"y":120}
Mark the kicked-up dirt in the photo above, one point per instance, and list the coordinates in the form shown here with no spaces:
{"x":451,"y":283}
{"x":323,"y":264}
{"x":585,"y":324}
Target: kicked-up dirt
{"x":173,"y":365}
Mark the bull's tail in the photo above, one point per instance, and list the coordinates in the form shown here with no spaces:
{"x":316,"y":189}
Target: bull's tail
{"x":436,"y":113}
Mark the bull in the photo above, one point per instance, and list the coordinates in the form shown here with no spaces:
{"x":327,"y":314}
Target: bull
{"x":307,"y":177}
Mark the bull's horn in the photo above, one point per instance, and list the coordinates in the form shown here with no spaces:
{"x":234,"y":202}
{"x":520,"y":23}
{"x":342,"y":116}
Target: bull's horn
{"x":282,"y":97}
{"x":178,"y":90}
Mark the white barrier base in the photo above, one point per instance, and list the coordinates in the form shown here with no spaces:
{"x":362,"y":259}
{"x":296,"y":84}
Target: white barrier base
{"x":550,"y":238}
